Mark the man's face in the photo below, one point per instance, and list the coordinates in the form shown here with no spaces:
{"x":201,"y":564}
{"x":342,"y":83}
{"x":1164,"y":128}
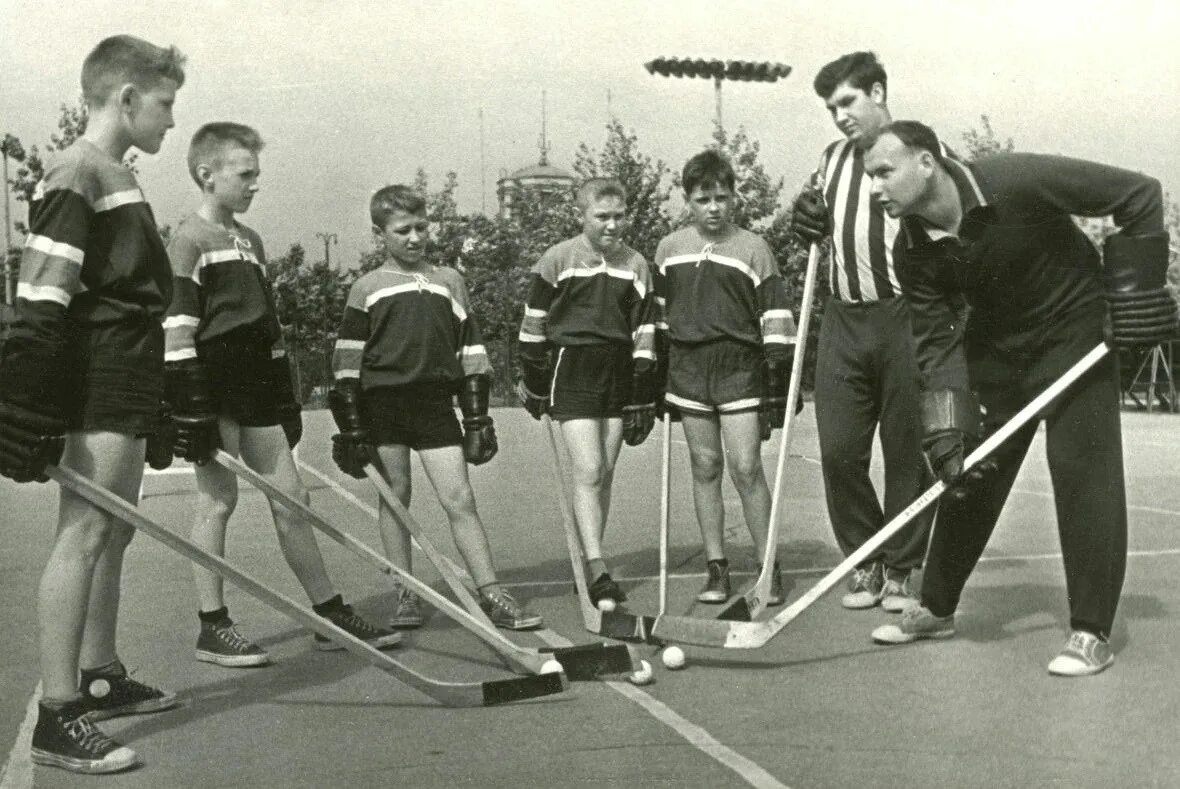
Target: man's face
{"x":405,"y":236}
{"x":711,"y":207}
{"x":150,"y":114}
{"x":604,"y":221}
{"x":900,"y":175}
{"x":233,"y":179}
{"x":855,"y":112}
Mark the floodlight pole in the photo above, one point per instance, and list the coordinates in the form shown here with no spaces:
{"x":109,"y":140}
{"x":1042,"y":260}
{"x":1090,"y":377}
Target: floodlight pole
{"x":327,"y":237}
{"x":718,"y":71}
{"x":717,"y":92}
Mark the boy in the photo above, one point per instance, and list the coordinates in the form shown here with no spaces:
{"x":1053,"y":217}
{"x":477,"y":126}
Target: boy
{"x":229,"y":385}
{"x":730,"y":339}
{"x":406,"y":345}
{"x":85,"y":359}
{"x":591,"y":298}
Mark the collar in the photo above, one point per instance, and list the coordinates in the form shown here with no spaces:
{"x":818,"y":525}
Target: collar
{"x":971,"y":198}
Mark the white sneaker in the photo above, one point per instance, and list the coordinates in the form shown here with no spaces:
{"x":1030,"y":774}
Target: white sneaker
{"x":897,"y":594}
{"x":1084,"y":654}
{"x":916,"y":623}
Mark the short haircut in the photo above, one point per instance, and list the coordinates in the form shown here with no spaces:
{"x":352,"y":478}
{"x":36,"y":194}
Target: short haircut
{"x":119,"y":60}
{"x":912,"y":134}
{"x":390,"y":199}
{"x":707,"y":168}
{"x":859,"y":69}
{"x":594,"y":189}
{"x":211,"y":140}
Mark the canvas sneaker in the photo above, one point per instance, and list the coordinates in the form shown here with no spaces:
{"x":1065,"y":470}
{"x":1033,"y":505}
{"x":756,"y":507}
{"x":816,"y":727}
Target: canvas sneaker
{"x":409,"y":610}
{"x":221,"y":643}
{"x":864,"y":587}
{"x":505,"y":612}
{"x":897,"y":593}
{"x":67,"y":738}
{"x":916,"y":623}
{"x":344,"y":618}
{"x":716,"y":589}
{"x":1084,"y":654}
{"x":111,"y":695}
{"x":604,"y":587}
{"x":778,"y":594}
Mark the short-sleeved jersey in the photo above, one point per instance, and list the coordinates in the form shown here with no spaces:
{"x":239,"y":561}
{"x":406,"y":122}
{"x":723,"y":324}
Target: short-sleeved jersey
{"x":405,"y":328}
{"x":93,"y":260}
{"x":722,"y":289}
{"x":579,"y":296}
{"x":221,"y":288}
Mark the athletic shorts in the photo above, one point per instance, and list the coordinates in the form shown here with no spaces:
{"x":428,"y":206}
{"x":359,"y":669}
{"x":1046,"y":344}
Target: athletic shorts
{"x":590,"y":382}
{"x":416,"y":416}
{"x":115,"y":377}
{"x":716,"y":377}
{"x":241,"y":380}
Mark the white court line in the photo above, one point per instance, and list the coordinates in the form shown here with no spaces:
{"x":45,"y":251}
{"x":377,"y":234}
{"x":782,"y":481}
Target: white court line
{"x":17,"y":772}
{"x":696,"y":736}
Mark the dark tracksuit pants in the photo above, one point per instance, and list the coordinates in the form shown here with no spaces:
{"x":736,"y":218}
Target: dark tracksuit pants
{"x":865,"y":377}
{"x":1084,"y":447}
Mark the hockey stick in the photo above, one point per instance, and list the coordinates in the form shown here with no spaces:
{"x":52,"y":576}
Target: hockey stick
{"x":751,"y":635}
{"x":612,"y":624}
{"x":665,"y":496}
{"x":450,"y":694}
{"x":581,"y":662}
{"x":751,"y":603}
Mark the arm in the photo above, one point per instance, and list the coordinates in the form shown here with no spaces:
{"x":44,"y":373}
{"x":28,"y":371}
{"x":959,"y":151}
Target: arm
{"x":535,"y":364}
{"x":479,"y":433}
{"x":350,"y":447}
{"x":937,"y":320}
{"x":639,"y":414}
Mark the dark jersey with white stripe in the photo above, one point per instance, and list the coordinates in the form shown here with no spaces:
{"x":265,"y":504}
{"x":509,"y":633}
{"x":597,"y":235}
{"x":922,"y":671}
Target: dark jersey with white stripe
{"x":722,"y":289}
{"x":221,"y":288}
{"x":403,"y":328}
{"x":578,"y":296}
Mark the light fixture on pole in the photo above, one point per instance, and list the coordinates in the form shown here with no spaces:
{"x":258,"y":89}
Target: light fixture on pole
{"x":718,"y":71}
{"x":328,"y":238}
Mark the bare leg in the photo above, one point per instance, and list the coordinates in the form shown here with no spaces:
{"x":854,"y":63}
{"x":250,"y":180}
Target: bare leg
{"x":743,"y":456}
{"x":702,"y":432}
{"x":584,"y":438}
{"x":217,"y":497}
{"x":447,"y":471}
{"x":395,"y":468}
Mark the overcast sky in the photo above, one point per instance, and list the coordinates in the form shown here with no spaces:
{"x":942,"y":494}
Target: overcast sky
{"x":353,"y":95}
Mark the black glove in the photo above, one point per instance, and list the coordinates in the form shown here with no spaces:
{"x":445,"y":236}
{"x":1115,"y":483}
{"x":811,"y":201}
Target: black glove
{"x":951,"y":432}
{"x":533,"y":388}
{"x":186,"y":386}
{"x":1135,"y":271}
{"x":351,"y":449}
{"x":661,"y":380}
{"x":29,"y":441}
{"x":291,"y":419}
{"x":639,"y":416}
{"x":537,"y":405}
{"x":810,"y":219}
{"x":479,"y":434}
{"x":161,"y":441}
{"x":772,"y":411}
{"x":290,"y":411}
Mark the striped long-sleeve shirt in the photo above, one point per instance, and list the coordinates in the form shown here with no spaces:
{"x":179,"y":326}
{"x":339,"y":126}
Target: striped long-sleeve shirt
{"x":93,"y":261}
{"x":579,"y":296}
{"x":731,"y":288}
{"x":221,"y":289}
{"x":402,"y":328}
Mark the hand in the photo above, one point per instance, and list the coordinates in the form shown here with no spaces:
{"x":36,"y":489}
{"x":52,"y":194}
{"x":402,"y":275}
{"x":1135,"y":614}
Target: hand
{"x":479,"y":440}
{"x":772,"y":413}
{"x":638,"y":420}
{"x":159,"y":444}
{"x":351,"y":452}
{"x":29,"y":441}
{"x":946,"y":452}
{"x":197,"y":437}
{"x":1135,"y":275}
{"x":291,"y":419}
{"x":1143,"y":319}
{"x":810,"y":219}
{"x":536,"y":405}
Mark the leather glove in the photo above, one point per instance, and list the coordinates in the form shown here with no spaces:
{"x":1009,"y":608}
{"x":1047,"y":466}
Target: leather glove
{"x":29,"y":441}
{"x":1135,"y":271}
{"x":810,"y":219}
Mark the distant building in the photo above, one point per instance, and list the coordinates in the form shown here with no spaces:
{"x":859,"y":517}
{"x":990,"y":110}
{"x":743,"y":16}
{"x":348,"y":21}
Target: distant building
{"x":541,"y":178}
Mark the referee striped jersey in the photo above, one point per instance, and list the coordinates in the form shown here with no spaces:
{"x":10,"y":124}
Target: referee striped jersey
{"x":860,"y":261}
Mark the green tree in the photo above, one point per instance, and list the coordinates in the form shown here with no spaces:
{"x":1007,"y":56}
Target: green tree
{"x":757,"y":192}
{"x":984,"y":142}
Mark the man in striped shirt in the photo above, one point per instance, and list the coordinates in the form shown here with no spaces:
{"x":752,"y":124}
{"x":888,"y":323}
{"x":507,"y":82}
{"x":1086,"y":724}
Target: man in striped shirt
{"x":866,"y":377}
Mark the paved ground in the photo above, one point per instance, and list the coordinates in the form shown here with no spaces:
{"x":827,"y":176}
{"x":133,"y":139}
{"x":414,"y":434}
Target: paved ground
{"x":819,"y":706}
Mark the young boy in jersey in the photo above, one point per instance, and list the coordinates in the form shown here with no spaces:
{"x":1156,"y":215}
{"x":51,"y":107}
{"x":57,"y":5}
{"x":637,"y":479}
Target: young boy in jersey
{"x":407,"y":344}
{"x":85,"y":360}
{"x":229,"y":386}
{"x":730,"y":347}
{"x":591,"y":299}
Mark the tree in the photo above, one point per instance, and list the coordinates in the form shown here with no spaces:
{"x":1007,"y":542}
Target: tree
{"x":984,"y":142}
{"x":757,"y":193}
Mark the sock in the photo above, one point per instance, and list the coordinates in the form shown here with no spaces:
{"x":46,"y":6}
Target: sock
{"x":723,"y":562}
{"x":597,"y":568}
{"x":329,"y":605}
{"x":113,"y":669}
{"x":213,"y":617}
{"x":55,"y":705}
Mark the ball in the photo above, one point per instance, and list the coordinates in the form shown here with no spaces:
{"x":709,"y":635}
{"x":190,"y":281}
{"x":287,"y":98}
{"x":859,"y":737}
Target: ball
{"x":643,"y":676}
{"x":606,"y":604}
{"x":551,"y":667}
{"x":673,"y":658}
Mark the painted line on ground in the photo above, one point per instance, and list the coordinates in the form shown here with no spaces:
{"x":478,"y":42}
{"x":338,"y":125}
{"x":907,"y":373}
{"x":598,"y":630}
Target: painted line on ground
{"x":17,"y":772}
{"x":696,"y":736}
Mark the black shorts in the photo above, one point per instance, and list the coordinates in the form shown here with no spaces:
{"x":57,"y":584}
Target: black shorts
{"x":115,"y":378}
{"x":717,"y":377}
{"x":590,"y":382}
{"x":241,"y":378}
{"x":418,"y":417}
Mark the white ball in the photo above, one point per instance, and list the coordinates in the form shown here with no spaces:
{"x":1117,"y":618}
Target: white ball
{"x":606,"y":604}
{"x":643,"y":676}
{"x":551,"y":667}
{"x":673,"y":658}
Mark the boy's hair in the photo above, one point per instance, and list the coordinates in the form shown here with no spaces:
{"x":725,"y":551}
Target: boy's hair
{"x":912,"y":134}
{"x":707,"y":168}
{"x":859,"y":69}
{"x":389,"y":199}
{"x":121,"y":59}
{"x":212,"y":139}
{"x":594,"y":189}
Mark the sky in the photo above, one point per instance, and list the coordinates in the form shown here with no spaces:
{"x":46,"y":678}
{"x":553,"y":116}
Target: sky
{"x":351,"y":96}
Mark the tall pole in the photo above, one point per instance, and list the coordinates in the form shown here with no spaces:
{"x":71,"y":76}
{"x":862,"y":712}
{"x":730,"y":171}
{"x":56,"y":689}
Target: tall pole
{"x":7,"y":235}
{"x":328,"y":238}
{"x":717,"y":91}
{"x":718,"y":71}
{"x":483,"y":169}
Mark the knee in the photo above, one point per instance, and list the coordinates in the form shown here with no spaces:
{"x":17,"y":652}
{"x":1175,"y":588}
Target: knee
{"x":746,"y":472}
{"x":219,"y":506}
{"x":89,"y":536}
{"x":706,"y":466}
{"x":458,"y":501}
{"x":590,"y":476}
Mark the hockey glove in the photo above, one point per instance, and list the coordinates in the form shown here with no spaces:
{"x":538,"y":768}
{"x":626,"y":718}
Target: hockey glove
{"x":537,"y":405}
{"x":951,"y":431}
{"x":160,"y":442}
{"x":772,"y":412}
{"x":810,"y":219}
{"x":661,"y":380}
{"x":291,"y":419}
{"x":290,"y":411}
{"x":29,"y":441}
{"x":639,"y":417}
{"x":479,"y":434}
{"x":186,"y":385}
{"x":1142,"y":311}
{"x":533,"y":387}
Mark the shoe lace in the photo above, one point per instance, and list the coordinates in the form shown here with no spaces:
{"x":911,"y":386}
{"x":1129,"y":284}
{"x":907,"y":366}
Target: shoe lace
{"x":350,"y":621}
{"x":230,"y":636}
{"x":1082,"y":643}
{"x":87,"y":736}
{"x":127,"y":685}
{"x":503,"y":602}
{"x":407,"y":597}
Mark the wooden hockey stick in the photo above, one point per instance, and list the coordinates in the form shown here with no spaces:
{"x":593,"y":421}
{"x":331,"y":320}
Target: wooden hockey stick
{"x":450,"y":694}
{"x":665,"y":496}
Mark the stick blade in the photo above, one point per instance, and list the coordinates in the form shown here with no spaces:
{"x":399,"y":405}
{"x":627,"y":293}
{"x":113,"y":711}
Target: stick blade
{"x":738,"y":610}
{"x":628,"y":627}
{"x":506,"y":691}
{"x":588,"y":662}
